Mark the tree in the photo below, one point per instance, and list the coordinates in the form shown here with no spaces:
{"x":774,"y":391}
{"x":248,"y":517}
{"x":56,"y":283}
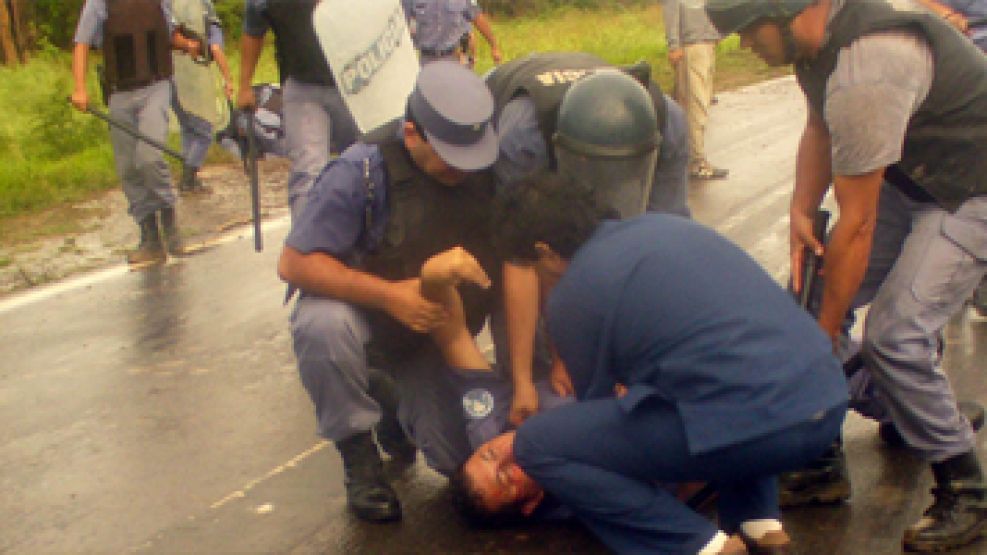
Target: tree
{"x":13,"y":31}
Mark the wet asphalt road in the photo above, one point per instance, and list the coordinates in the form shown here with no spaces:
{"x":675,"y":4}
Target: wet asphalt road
{"x":160,"y":410}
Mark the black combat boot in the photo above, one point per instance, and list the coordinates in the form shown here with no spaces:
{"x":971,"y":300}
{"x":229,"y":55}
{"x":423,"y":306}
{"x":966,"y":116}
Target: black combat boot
{"x":368,"y":494}
{"x":390,"y":434}
{"x":958,"y":514}
{"x":823,"y":481}
{"x":971,"y":410}
{"x":190,"y":183}
{"x":173,"y":239}
{"x":149,"y":249}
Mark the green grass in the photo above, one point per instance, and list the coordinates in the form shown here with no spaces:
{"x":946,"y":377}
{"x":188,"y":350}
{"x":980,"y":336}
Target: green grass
{"x":51,"y":155}
{"x":619,"y":36}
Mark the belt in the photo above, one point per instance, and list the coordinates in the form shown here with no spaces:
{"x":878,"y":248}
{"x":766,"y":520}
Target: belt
{"x":437,"y":52}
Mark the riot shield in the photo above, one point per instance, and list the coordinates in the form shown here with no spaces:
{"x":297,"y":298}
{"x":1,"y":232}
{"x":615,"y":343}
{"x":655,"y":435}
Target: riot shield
{"x":199,"y":87}
{"x":369,"y":50}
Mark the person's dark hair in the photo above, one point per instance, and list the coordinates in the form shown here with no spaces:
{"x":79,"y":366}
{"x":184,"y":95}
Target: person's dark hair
{"x":469,"y":504}
{"x":546,"y":207}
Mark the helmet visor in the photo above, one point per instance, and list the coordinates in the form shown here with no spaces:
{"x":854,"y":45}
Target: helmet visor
{"x":622,"y":182}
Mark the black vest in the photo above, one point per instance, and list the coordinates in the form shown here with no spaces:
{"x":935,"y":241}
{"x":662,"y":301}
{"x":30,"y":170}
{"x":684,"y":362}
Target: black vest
{"x":298,"y":52}
{"x":545,"y":78}
{"x":945,"y":150}
{"x":425,"y":218}
{"x":136,"y":44}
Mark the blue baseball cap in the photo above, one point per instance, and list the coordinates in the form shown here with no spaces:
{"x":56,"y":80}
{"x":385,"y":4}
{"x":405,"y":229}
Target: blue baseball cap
{"x":454,"y":108}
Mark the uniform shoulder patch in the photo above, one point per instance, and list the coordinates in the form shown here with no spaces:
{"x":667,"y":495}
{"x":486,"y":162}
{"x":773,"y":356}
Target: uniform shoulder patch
{"x":478,"y":403}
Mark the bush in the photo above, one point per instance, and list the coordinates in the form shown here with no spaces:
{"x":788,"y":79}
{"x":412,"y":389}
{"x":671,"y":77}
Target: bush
{"x":230,"y":13}
{"x":55,"y":20}
{"x":512,"y":8}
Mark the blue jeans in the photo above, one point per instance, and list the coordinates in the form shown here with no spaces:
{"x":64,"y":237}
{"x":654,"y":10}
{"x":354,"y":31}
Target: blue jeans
{"x":606,"y":465}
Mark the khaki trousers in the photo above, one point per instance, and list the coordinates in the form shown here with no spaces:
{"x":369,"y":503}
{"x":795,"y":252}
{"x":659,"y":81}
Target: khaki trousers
{"x":694,"y":92}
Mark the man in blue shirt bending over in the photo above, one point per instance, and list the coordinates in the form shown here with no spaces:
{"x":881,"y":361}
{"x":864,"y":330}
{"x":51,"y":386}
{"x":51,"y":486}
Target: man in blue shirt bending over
{"x":679,"y":374}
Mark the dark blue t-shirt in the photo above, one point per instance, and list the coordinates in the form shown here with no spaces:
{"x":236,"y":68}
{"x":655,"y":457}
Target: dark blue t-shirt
{"x":671,"y":309}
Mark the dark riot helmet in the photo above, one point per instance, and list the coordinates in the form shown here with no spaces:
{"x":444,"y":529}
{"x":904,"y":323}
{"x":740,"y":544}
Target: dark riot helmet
{"x":732,"y":16}
{"x":607,"y":139}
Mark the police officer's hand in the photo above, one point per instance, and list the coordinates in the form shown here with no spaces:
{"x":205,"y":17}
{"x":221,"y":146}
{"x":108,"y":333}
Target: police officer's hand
{"x":496,"y":54}
{"x":524,"y":404}
{"x":407,"y":305}
{"x":192,"y":47}
{"x":675,"y":56}
{"x":245,"y":99}
{"x":800,"y":237}
{"x":80,"y":99}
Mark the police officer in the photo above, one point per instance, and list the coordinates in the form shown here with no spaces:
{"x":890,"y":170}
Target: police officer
{"x":412,"y":189}
{"x":910,"y":182}
{"x":438,"y":26}
{"x":197,"y":133}
{"x":637,"y":311}
{"x":573,"y":112}
{"x":313,"y":108}
{"x":137,"y":37}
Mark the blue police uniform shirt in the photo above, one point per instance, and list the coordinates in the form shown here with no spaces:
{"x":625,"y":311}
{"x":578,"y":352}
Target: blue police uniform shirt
{"x":89,"y":30}
{"x":439,"y":24}
{"x":672,"y":310}
{"x":486,"y":397}
{"x":523,"y":150}
{"x":333,"y":219}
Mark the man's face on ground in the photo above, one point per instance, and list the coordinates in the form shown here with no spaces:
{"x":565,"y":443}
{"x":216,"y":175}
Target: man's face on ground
{"x":498,"y":480}
{"x":765,"y":40}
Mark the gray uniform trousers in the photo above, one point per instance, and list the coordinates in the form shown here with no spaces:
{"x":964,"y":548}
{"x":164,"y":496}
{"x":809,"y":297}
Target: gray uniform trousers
{"x":141,"y":167}
{"x":925,"y":262}
{"x":313,"y":115}
{"x":330,"y":339}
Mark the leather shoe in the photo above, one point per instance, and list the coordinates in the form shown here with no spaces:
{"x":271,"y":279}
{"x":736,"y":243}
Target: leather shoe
{"x":775,"y":542}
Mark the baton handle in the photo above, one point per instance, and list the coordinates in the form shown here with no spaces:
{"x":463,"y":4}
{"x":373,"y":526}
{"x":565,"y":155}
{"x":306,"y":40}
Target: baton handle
{"x":247,"y":127}
{"x":126,"y":128}
{"x":811,"y":262}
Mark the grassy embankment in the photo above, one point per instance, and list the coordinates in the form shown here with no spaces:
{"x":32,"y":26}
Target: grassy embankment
{"x":51,"y":155}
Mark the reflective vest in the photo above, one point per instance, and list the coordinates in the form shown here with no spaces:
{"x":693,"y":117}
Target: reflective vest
{"x":945,"y":149}
{"x":545,"y":78}
{"x":424,"y":218}
{"x":136,"y":44}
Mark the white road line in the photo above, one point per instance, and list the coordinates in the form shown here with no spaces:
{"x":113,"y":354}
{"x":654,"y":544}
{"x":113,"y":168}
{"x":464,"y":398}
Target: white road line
{"x":242,"y":492}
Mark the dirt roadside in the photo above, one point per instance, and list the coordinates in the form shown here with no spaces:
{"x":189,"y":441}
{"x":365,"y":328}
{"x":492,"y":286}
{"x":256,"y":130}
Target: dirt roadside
{"x":104,"y":230}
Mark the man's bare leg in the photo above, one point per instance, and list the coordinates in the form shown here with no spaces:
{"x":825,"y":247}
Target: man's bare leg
{"x":440,"y":275}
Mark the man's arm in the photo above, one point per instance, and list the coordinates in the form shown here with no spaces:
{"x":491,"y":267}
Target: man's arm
{"x":250,"y":49}
{"x":482,"y":24}
{"x":670,"y":15}
{"x":813,"y":173}
{"x":224,"y":68}
{"x":323,"y":275}
{"x":521,"y":308}
{"x":849,"y":246}
{"x":80,"y":61}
